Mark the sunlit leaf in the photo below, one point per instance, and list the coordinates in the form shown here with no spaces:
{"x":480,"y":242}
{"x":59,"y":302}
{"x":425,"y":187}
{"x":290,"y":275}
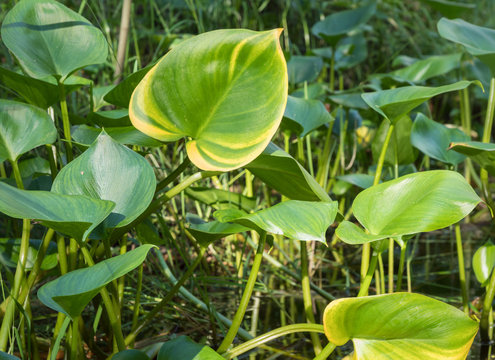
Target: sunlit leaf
{"x":484,"y":262}
{"x":482,"y":153}
{"x":208,"y":232}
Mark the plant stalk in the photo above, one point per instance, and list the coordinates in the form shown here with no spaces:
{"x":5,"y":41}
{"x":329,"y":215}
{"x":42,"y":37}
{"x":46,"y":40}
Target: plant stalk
{"x":462,"y":271}
{"x":363,"y":290}
{"x":65,"y":122}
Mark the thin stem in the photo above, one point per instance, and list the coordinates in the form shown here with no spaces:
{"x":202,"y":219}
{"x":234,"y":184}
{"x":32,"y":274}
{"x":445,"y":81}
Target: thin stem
{"x":173,"y":175}
{"x":363,"y":290}
{"x":487,"y":307}
{"x":308,"y":303}
{"x":462,"y":271}
{"x":401,"y":266}
{"x":390,"y":266}
{"x":114,"y":321}
{"x":75,"y":339}
{"x":137,"y":299}
{"x":236,"y":322}
{"x":325,"y":353}
{"x":125,"y":20}
{"x":65,"y":122}
{"x":332,"y":70}
{"x":3,"y":173}
{"x":382,"y":274}
{"x":272,"y":335}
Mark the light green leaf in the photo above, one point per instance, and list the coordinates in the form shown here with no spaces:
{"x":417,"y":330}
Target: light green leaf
{"x":73,"y":215}
{"x":282,"y":172}
{"x":9,"y":253}
{"x":415,"y":203}
{"x":394,"y":103}
{"x":184,"y":348}
{"x":128,"y":135}
{"x":305,"y":115}
{"x":428,"y":68}
{"x":50,"y":39}
{"x":433,"y":139}
{"x":304,"y":68}
{"x":110,"y":171}
{"x":299,"y":220}
{"x":221,"y":199}
{"x":225,"y":89}
{"x":484,"y":262}
{"x":352,"y":234}
{"x":363,"y":181}
{"x":70,"y":293}
{"x":22,"y":128}
{"x":482,"y":153}
{"x":399,"y":326}
{"x":336,"y":25}
{"x":478,"y":41}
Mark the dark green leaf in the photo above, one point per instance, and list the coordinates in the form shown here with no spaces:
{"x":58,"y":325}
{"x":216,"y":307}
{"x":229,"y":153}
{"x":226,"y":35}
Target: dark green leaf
{"x":482,"y":153}
{"x":304,"y":68}
{"x":221,"y":199}
{"x":9,"y":253}
{"x":305,"y":115}
{"x":184,"y":348}
{"x":128,"y":135}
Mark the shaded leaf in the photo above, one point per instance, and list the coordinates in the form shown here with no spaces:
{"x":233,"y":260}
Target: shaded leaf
{"x":482,"y":153}
{"x":221,"y":199}
{"x":209,"y":232}
{"x":9,"y":253}
{"x":130,"y":354}
{"x":304,"y":68}
{"x":428,"y":68}
{"x":450,"y":9}
{"x":120,"y":95}
{"x":111,"y":118}
{"x":305,"y":115}
{"x":128,"y":135}
{"x":184,"y":348}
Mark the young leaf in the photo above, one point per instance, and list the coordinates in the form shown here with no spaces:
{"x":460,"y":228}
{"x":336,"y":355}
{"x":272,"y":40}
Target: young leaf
{"x":482,"y":153}
{"x":110,"y":171}
{"x":184,"y":348}
{"x":394,"y":103}
{"x":399,"y":326}
{"x":225,"y":89}
{"x":70,"y":293}
{"x":484,"y":262}
{"x":282,"y":172}
{"x":299,"y":220}
{"x":305,"y":115}
{"x":74,"y":215}
{"x":22,"y":128}
{"x":49,"y":39}
{"x":433,"y":139}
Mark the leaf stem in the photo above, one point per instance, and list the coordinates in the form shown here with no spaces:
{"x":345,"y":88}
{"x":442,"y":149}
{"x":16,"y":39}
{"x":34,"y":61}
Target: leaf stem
{"x":487,"y":307}
{"x":363,"y":290}
{"x":487,"y":131}
{"x":462,"y":271}
{"x":401,"y":266}
{"x":272,"y":335}
{"x":246,"y":296}
{"x":65,"y":121}
{"x":325,"y":353}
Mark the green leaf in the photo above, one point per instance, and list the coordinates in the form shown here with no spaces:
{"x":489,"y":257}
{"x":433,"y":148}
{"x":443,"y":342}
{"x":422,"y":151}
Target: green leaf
{"x":5,"y":356}
{"x":184,"y":348}
{"x":209,"y":232}
{"x":394,"y":103}
{"x":70,"y":293}
{"x":299,"y":220}
{"x":50,"y":39}
{"x":110,"y":171}
{"x":283,"y":173}
{"x":352,"y":234}
{"x":221,"y":199}
{"x":428,"y":68}
{"x":111,"y":118}
{"x":305,"y":115}
{"x":34,"y":167}
{"x":304,"y":68}
{"x":484,"y":262}
{"x":120,"y":95}
{"x":400,"y":142}
{"x":351,"y":51}
{"x":9,"y":253}
{"x":335,"y":26}
{"x":363,"y":181}
{"x":399,"y":326}
{"x":130,"y":354}
{"x":433,"y":139}
{"x":482,"y":153}
{"x":73,"y":215}
{"x":128,"y":135}
{"x":22,"y":128}
{"x":349,"y":99}
{"x":478,"y":41}
{"x":450,"y":9}
{"x":226,"y":89}
{"x":415,"y":203}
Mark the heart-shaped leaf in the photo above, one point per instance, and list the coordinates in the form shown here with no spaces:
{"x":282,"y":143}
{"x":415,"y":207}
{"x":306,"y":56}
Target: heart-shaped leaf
{"x":433,"y":139}
{"x":484,"y":262}
{"x":283,"y":173}
{"x":70,"y":293}
{"x":415,"y":203}
{"x":74,"y":215}
{"x":478,"y":41}
{"x":22,"y":128}
{"x":482,"y":153}
{"x":428,"y":68}
{"x":394,"y":103}
{"x":335,"y":26}
{"x":49,"y":39}
{"x":184,"y":348}
{"x":304,"y":68}
{"x":226,"y":89}
{"x":305,"y":115}
{"x":9,"y":253}
{"x":110,"y":171}
{"x":128,"y":135}
{"x":352,"y":234}
{"x":399,"y":326}
{"x":299,"y":220}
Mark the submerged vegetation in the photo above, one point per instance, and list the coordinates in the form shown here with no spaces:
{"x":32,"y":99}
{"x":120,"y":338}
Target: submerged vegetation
{"x":269,"y":179}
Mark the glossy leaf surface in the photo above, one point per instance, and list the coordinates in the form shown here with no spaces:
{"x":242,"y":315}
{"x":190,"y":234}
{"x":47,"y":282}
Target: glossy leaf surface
{"x":70,"y":293}
{"x":399,"y":326}
{"x":478,"y":41}
{"x":433,"y":139}
{"x":305,"y":115}
{"x":482,"y":153}
{"x":299,"y":220}
{"x":184,"y":348}
{"x":428,"y":68}
{"x":9,"y":253}
{"x":128,"y":135}
{"x":394,"y":103}
{"x":110,"y":171}
{"x":282,"y":172}
{"x":22,"y":128}
{"x":352,"y":234}
{"x":304,"y":68}
{"x":226,"y":89}
{"x":415,"y":203}
{"x":73,"y":215}
{"x":484,"y":262}
{"x":50,"y":39}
